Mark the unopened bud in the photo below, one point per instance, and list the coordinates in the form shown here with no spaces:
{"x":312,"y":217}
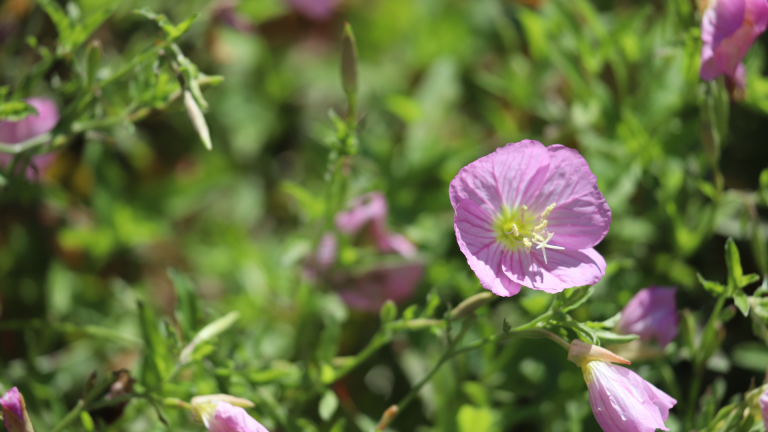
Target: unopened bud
{"x":15,"y":412}
{"x":387,"y":417}
{"x":349,"y":61}
{"x":581,"y":353}
{"x":471,"y":304}
{"x":198,"y":119}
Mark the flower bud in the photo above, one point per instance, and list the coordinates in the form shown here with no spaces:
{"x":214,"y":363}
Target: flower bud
{"x":15,"y":412}
{"x":620,"y":399}
{"x":651,"y":314}
{"x":349,"y":61}
{"x":223,"y":413}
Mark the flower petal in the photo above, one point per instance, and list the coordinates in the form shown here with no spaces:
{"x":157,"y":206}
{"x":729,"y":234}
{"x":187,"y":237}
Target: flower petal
{"x":477,"y":240}
{"x":731,"y":50}
{"x":563,"y":269}
{"x":722,"y":20}
{"x":369,"y":291}
{"x":581,"y":218}
{"x":511,"y":176}
{"x":229,"y":418}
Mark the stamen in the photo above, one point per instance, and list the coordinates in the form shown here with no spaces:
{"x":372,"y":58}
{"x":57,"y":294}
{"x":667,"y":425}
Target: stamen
{"x":547,"y":211}
{"x":541,"y":226}
{"x":514,"y":230}
{"x":527,"y":243}
{"x":538,"y":237}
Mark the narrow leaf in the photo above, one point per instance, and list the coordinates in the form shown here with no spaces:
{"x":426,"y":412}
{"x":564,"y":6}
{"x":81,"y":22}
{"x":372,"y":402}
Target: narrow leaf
{"x":198,"y":119}
{"x":210,"y":331}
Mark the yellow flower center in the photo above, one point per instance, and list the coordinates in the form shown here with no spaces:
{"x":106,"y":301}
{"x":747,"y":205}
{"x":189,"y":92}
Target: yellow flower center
{"x":521,"y":228}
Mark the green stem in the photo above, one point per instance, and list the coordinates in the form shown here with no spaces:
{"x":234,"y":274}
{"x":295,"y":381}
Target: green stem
{"x":700,"y":359}
{"x":70,"y":417}
{"x":534,"y":322}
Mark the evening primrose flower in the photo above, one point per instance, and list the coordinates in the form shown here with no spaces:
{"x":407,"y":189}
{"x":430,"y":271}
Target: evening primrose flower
{"x":530,"y":215}
{"x":728,"y":29}
{"x":15,"y":412}
{"x":368,"y":213}
{"x":367,"y":292}
{"x":621,"y":400}
{"x":223,"y":413}
{"x":651,"y":314}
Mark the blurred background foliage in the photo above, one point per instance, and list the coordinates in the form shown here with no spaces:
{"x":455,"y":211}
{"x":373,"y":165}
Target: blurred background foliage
{"x":134,"y":210}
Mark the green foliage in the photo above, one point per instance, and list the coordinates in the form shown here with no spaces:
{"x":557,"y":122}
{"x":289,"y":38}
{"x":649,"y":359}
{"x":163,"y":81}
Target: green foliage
{"x":198,"y":269}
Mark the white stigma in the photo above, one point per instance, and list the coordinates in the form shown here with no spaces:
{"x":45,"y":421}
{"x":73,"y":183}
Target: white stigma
{"x":543,"y":246}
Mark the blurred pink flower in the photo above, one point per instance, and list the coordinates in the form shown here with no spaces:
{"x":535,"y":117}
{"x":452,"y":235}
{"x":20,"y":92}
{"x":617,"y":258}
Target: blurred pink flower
{"x":15,"y":132}
{"x":514,"y":204}
{"x":369,"y":212}
{"x":763,"y":401}
{"x":15,"y":412}
{"x":317,"y":10}
{"x":369,"y":291}
{"x":229,"y":418}
{"x":621,"y":400}
{"x":327,"y":251}
{"x":651,"y":314}
{"x":728,"y":29}
{"x":225,"y":12}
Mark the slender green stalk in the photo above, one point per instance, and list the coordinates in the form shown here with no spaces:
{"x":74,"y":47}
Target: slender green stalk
{"x":70,"y":417}
{"x":700,"y":360}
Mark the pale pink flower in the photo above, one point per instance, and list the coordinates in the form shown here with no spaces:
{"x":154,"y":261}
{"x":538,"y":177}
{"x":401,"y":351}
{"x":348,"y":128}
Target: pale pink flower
{"x":368,"y":291}
{"x":219,"y":413}
{"x":15,"y":132}
{"x":621,"y":400}
{"x":229,"y":418}
{"x":368,"y":214}
{"x":15,"y":412}
{"x":728,"y":29}
{"x":651,"y":314}
{"x":317,"y":10}
{"x":530,"y":215}
{"x":763,"y":401}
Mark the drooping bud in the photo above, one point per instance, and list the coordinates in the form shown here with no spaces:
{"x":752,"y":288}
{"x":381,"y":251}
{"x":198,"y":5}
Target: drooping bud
{"x":15,"y":412}
{"x":471,"y":304}
{"x":224,"y":413}
{"x":581,"y":353}
{"x":349,"y":61}
{"x":198,"y":119}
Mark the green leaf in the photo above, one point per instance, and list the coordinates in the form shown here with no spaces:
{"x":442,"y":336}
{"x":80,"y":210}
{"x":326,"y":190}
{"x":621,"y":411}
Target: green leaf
{"x":16,"y":110}
{"x":87,"y":421}
{"x":713,"y":287}
{"x":742,"y":302}
{"x":688,"y":330}
{"x":93,"y":61}
{"x":433,"y":302}
{"x":349,"y":61}
{"x":388,"y":312}
{"x":505,"y":326}
{"x":339,"y":426}
{"x":752,"y":356}
{"x":210,"y":331}
{"x":475,"y":419}
{"x":155,"y":366}
{"x":329,"y":403}
{"x":611,"y":338}
{"x":572,"y":298}
{"x":733,"y":263}
{"x":187,"y":306}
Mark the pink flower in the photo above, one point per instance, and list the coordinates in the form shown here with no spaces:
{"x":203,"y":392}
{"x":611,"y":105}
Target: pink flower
{"x":369,"y":291}
{"x":530,"y":215}
{"x":15,"y":412}
{"x":219,"y":413}
{"x":651,"y":314}
{"x":369,"y":213}
{"x":15,"y":132}
{"x":229,"y":418}
{"x":317,"y":10}
{"x":763,"y":401}
{"x":621,"y":400}
{"x":728,"y":29}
